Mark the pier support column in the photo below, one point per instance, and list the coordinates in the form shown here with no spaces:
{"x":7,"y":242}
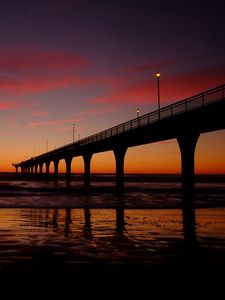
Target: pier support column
{"x":56,"y":168}
{"x":36,"y":168}
{"x":41,"y":167}
{"x":68,"y":168}
{"x":87,"y":168}
{"x":119,"y":153}
{"x":187,"y":143}
{"x":47,"y":163}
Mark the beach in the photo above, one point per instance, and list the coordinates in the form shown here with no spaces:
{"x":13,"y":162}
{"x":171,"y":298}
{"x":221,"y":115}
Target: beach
{"x":58,"y":239}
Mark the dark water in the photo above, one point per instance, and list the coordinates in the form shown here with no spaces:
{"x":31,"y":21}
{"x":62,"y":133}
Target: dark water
{"x":63,"y":238}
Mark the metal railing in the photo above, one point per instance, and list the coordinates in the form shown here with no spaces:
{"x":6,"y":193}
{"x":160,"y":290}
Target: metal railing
{"x":200,"y":100}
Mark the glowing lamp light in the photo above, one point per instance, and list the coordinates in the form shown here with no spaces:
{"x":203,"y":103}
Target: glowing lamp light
{"x":157,"y":74}
{"x":138,"y":112}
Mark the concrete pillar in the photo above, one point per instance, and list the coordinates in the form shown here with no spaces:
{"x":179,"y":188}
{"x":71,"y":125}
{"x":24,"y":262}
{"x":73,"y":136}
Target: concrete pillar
{"x":36,"y":168}
{"x":187,"y":143}
{"x":41,"y":167}
{"x":56,"y":168}
{"x":47,"y":163}
{"x":87,"y":168}
{"x":119,"y":153}
{"x":68,"y":167}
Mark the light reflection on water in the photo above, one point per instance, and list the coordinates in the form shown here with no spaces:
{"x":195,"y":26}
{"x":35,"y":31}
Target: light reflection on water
{"x":106,"y":235}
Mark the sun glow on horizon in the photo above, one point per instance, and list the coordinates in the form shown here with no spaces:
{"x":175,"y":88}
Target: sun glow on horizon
{"x":156,"y":158}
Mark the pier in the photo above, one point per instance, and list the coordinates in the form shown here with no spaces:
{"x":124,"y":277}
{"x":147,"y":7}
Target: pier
{"x":184,"y":121}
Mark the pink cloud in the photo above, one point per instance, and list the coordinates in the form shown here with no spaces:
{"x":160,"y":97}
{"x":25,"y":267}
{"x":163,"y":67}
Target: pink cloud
{"x":100,"y":110}
{"x":63,"y":129}
{"x":40,"y":113}
{"x":139,"y":92}
{"x":7,"y":133}
{"x":36,"y":83}
{"x":186,"y":85}
{"x":32,"y":59}
{"x":34,"y":70}
{"x":50,"y":123}
{"x":30,"y":85}
{"x":9,"y":105}
{"x":172,"y":88}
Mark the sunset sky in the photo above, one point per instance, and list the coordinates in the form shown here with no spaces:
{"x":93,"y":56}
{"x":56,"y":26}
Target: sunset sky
{"x":93,"y":62}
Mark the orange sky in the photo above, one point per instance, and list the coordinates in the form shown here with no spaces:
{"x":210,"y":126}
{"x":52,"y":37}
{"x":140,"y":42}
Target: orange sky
{"x":93,"y":63}
{"x":162,"y":157}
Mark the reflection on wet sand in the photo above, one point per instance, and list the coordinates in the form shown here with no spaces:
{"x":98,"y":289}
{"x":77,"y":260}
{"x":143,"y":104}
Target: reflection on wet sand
{"x":189,"y":221}
{"x":68,"y":221}
{"x":63,"y":243}
{"x":61,"y":220}
{"x":136,"y":225}
{"x":87,"y":224}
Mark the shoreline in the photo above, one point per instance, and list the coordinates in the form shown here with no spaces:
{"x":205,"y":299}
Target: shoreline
{"x":100,"y":176}
{"x":157,"y":191}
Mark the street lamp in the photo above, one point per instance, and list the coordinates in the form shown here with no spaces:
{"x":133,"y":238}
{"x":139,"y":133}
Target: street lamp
{"x":138,"y":112}
{"x":138,"y":119}
{"x":157,"y":76}
{"x":73,"y":132}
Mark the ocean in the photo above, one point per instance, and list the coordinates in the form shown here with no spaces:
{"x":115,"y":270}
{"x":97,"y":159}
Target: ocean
{"x":56,"y":234}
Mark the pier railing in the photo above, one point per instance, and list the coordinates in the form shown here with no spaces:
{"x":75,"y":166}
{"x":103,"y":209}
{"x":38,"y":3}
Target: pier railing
{"x":195,"y":102}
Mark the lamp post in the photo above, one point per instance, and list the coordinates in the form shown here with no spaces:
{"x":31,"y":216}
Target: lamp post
{"x":138,"y":112}
{"x":73,"y":132}
{"x":138,"y":119}
{"x":157,"y":76}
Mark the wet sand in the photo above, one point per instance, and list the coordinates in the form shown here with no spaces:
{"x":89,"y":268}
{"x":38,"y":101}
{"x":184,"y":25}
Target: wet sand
{"x":42,"y":258}
{"x":46,"y":255}
{"x":51,"y":279}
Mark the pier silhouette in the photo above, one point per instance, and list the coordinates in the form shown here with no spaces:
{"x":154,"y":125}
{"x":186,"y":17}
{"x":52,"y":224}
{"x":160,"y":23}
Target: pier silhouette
{"x":184,"y":121}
